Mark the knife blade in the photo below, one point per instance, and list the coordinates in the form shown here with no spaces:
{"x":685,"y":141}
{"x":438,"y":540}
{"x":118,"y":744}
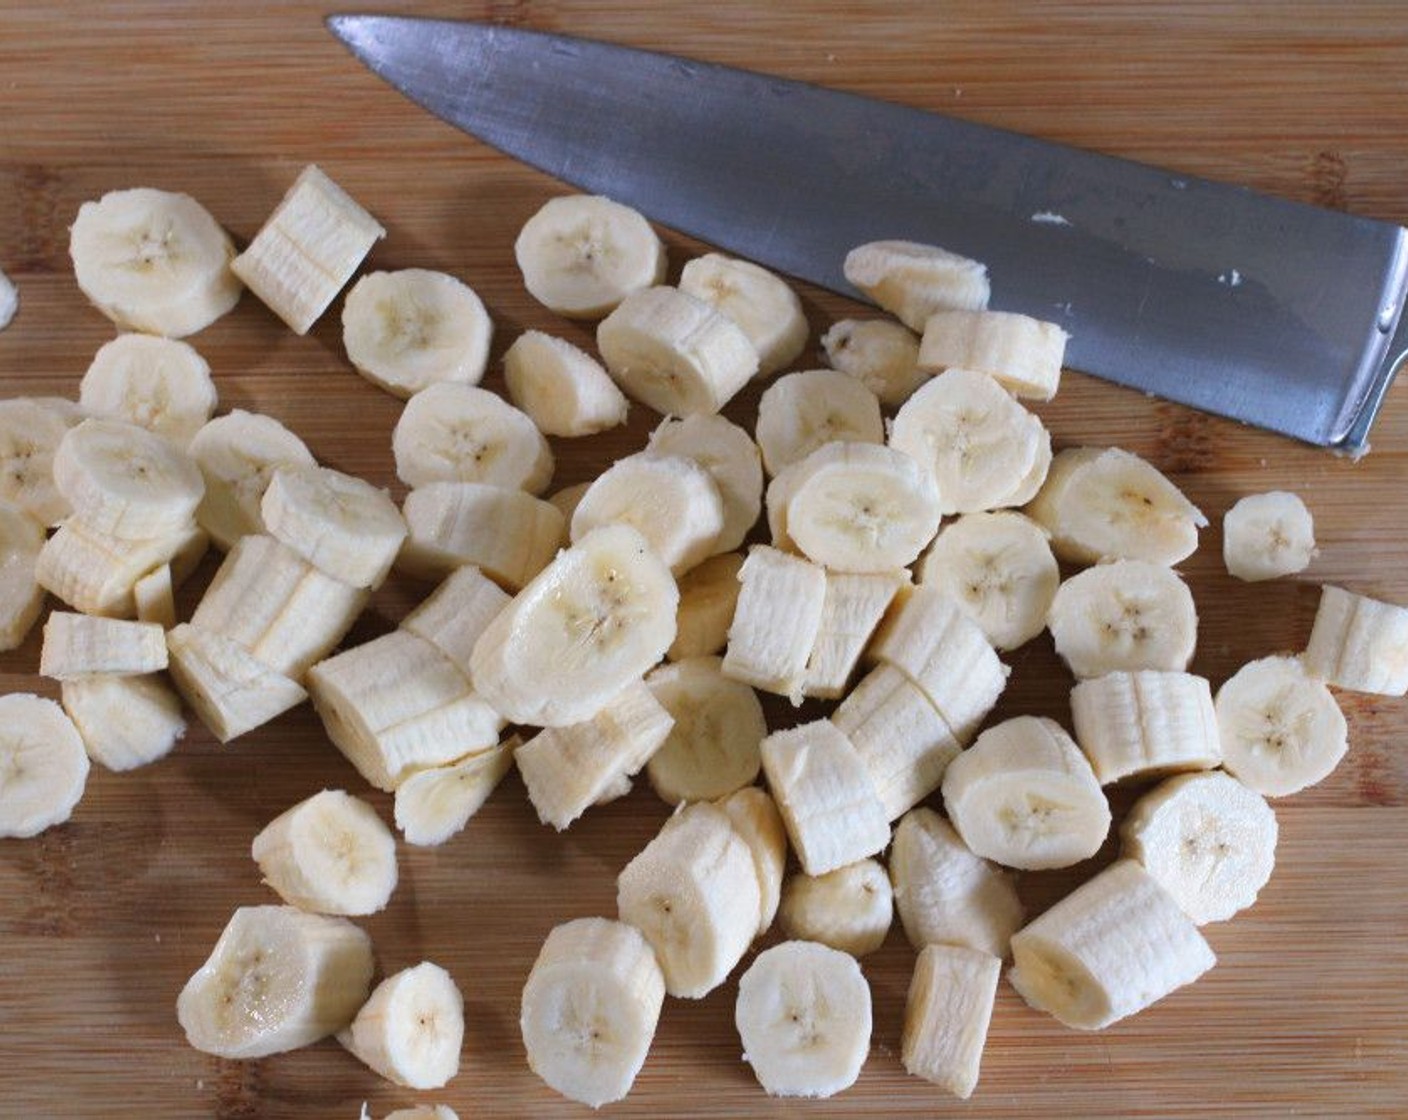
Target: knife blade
{"x":1275,"y":313}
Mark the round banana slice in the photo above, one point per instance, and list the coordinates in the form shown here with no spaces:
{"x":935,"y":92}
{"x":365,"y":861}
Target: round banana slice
{"x":732,"y":459}
{"x":880,"y":354}
{"x":581,"y":255}
{"x":412,"y":328}
{"x":912,"y":281}
{"x":862,"y":507}
{"x":126,"y":481}
{"x":30,"y":433}
{"x":754,"y":816}
{"x":979,"y":442}
{"x":1281,"y":729}
{"x":153,"y":261}
{"x":338,"y":523}
{"x":237,"y":454}
{"x":411,"y":1029}
{"x":1031,"y":485}
{"x":43,"y":762}
{"x":712,"y":749}
{"x":1123,"y":616}
{"x":849,"y":909}
{"x":562,"y":387}
{"x":767,"y":309}
{"x":461,"y":433}
{"x":998,"y":567}
{"x":1267,"y":535}
{"x":803,"y":1013}
{"x":9,"y":301}
{"x":156,"y":383}
{"x":21,"y":597}
{"x":801,"y":412}
{"x":125,"y":722}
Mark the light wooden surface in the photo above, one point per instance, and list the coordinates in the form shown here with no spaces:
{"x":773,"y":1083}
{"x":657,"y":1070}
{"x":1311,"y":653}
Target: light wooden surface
{"x":102,"y":920}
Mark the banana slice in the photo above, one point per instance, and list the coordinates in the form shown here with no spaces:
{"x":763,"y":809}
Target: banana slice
{"x":588,"y":624}
{"x":849,"y":909}
{"x":125,"y":481}
{"x":458,"y":611}
{"x":855,"y":603}
{"x":1359,"y":643}
{"x":1024,"y":796}
{"x":590,"y":1008}
{"x":330,"y":854}
{"x":712,"y":749}
{"x":461,"y":433}
{"x":411,"y":1029}
{"x":409,"y":329}
{"x":79,"y":645}
{"x":43,"y":762}
{"x":154,"y":596}
{"x":1124,"y":616}
{"x":882,"y":355}
{"x":30,"y":434}
{"x":434,"y":804}
{"x":670,"y":500}
{"x":338,"y":523}
{"x":153,"y":261}
{"x":231,"y":691}
{"x":276,"y":980}
{"x":98,"y":574}
{"x":674,"y":353}
{"x":754,"y":816}
{"x":509,"y":534}
{"x":237,"y":455}
{"x":1031,"y":485}
{"x":912,"y":281}
{"x":1114,"y":946}
{"x":9,"y":301}
{"x":422,"y":1112}
{"x":1267,"y":535}
{"x":1108,"y":503}
{"x":801,"y":412}
{"x":803,"y":1013}
{"x":1136,"y":724}
{"x":708,"y":596}
{"x":569,"y":498}
{"x":693,"y":893}
{"x":21,"y":597}
{"x":732,"y":459}
{"x":999,"y":569}
{"x":564,"y":389}
{"x":1022,"y":354}
{"x":775,"y":624}
{"x":125,"y":722}
{"x":947,"y":1014}
{"x":581,"y":255}
{"x":767,"y":309}
{"x":156,"y":383}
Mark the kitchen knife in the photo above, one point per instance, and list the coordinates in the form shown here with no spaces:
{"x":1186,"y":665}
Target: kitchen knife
{"x":1276,"y":313}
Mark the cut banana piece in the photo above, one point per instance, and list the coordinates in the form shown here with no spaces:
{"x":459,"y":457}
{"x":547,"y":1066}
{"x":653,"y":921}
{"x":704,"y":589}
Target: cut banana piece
{"x":422,"y":1112}
{"x":154,"y":596}
{"x":231,"y":691}
{"x":912,"y":280}
{"x":338,"y":523}
{"x":712,"y":749}
{"x":882,"y":355}
{"x":1108,"y":503}
{"x":1024,"y":796}
{"x":708,"y":596}
{"x":1022,"y":354}
{"x":78,"y":645}
{"x":9,"y":301}
{"x":946,"y":895}
{"x":855,"y":603}
{"x":30,"y":434}
{"x":307,"y":249}
{"x":754,"y":816}
{"x":1116,"y":945}
{"x":454,"y":616}
{"x":98,"y":574}
{"x":849,"y":909}
{"x":21,"y":597}
{"x":801,"y":412}
{"x":767,"y":309}
{"x":434,"y":804}
{"x":1122,"y":617}
{"x":411,"y":1029}
{"x":693,"y":892}
{"x":1137,"y":724}
{"x":776,"y":621}
{"x":803,"y":1014}
{"x":581,"y":255}
{"x":43,"y":762}
{"x":237,"y":455}
{"x":569,"y":498}
{"x":999,"y":569}
{"x":153,"y":261}
{"x":593,"y":621}
{"x":564,"y":389}
{"x":509,"y":534}
{"x":461,"y":433}
{"x":1281,"y":729}
{"x":732,"y":459}
{"x":1359,"y":643}
{"x":276,"y":980}
{"x":1267,"y":535}
{"x":980,"y":443}
{"x":947,"y":1014}
{"x":125,"y":722}
{"x":590,"y":1008}
{"x":156,"y":383}
{"x":412,"y":328}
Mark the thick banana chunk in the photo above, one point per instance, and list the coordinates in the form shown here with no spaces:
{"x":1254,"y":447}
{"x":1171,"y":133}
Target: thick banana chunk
{"x":156,"y":383}
{"x":754,"y":816}
{"x":462,"y":433}
{"x":591,"y":622}
{"x":456,"y":613}
{"x":79,"y":645}
{"x":767,"y":309}
{"x":231,"y":690}
{"x":1124,"y":616}
{"x":21,"y":597}
{"x":881,"y":355}
{"x":1267,"y":535}
{"x":237,"y":454}
{"x":590,"y":1008}
{"x":849,"y":909}
{"x":732,"y":459}
{"x":1359,"y":643}
{"x":801,"y":412}
{"x":581,"y":255}
{"x":276,"y":980}
{"x":125,"y":722}
{"x":307,"y":249}
{"x":832,"y":812}
{"x":509,"y":534}
{"x":562,"y":387}
{"x":775,"y":624}
{"x":153,"y":261}
{"x":45,"y":767}
{"x":945,"y":894}
{"x":30,"y":434}
{"x":712,"y":749}
{"x":1022,"y":354}
{"x":1281,"y":729}
{"x":675,"y":353}
{"x":154,"y":596}
{"x":98,"y":574}
{"x":912,"y":281}
{"x":435,"y":803}
{"x":411,"y":1029}
{"x":693,"y":892}
{"x":855,"y":603}
{"x":409,"y":329}
{"x":1116,"y":945}
{"x":803,"y":1014}
{"x":947,"y":1015}
{"x":708,"y":596}
{"x":1024,"y":796}
{"x":1108,"y":503}
{"x":1136,"y":724}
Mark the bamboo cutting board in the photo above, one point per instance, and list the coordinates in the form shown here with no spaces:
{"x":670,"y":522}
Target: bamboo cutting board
{"x":103,"y":919}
